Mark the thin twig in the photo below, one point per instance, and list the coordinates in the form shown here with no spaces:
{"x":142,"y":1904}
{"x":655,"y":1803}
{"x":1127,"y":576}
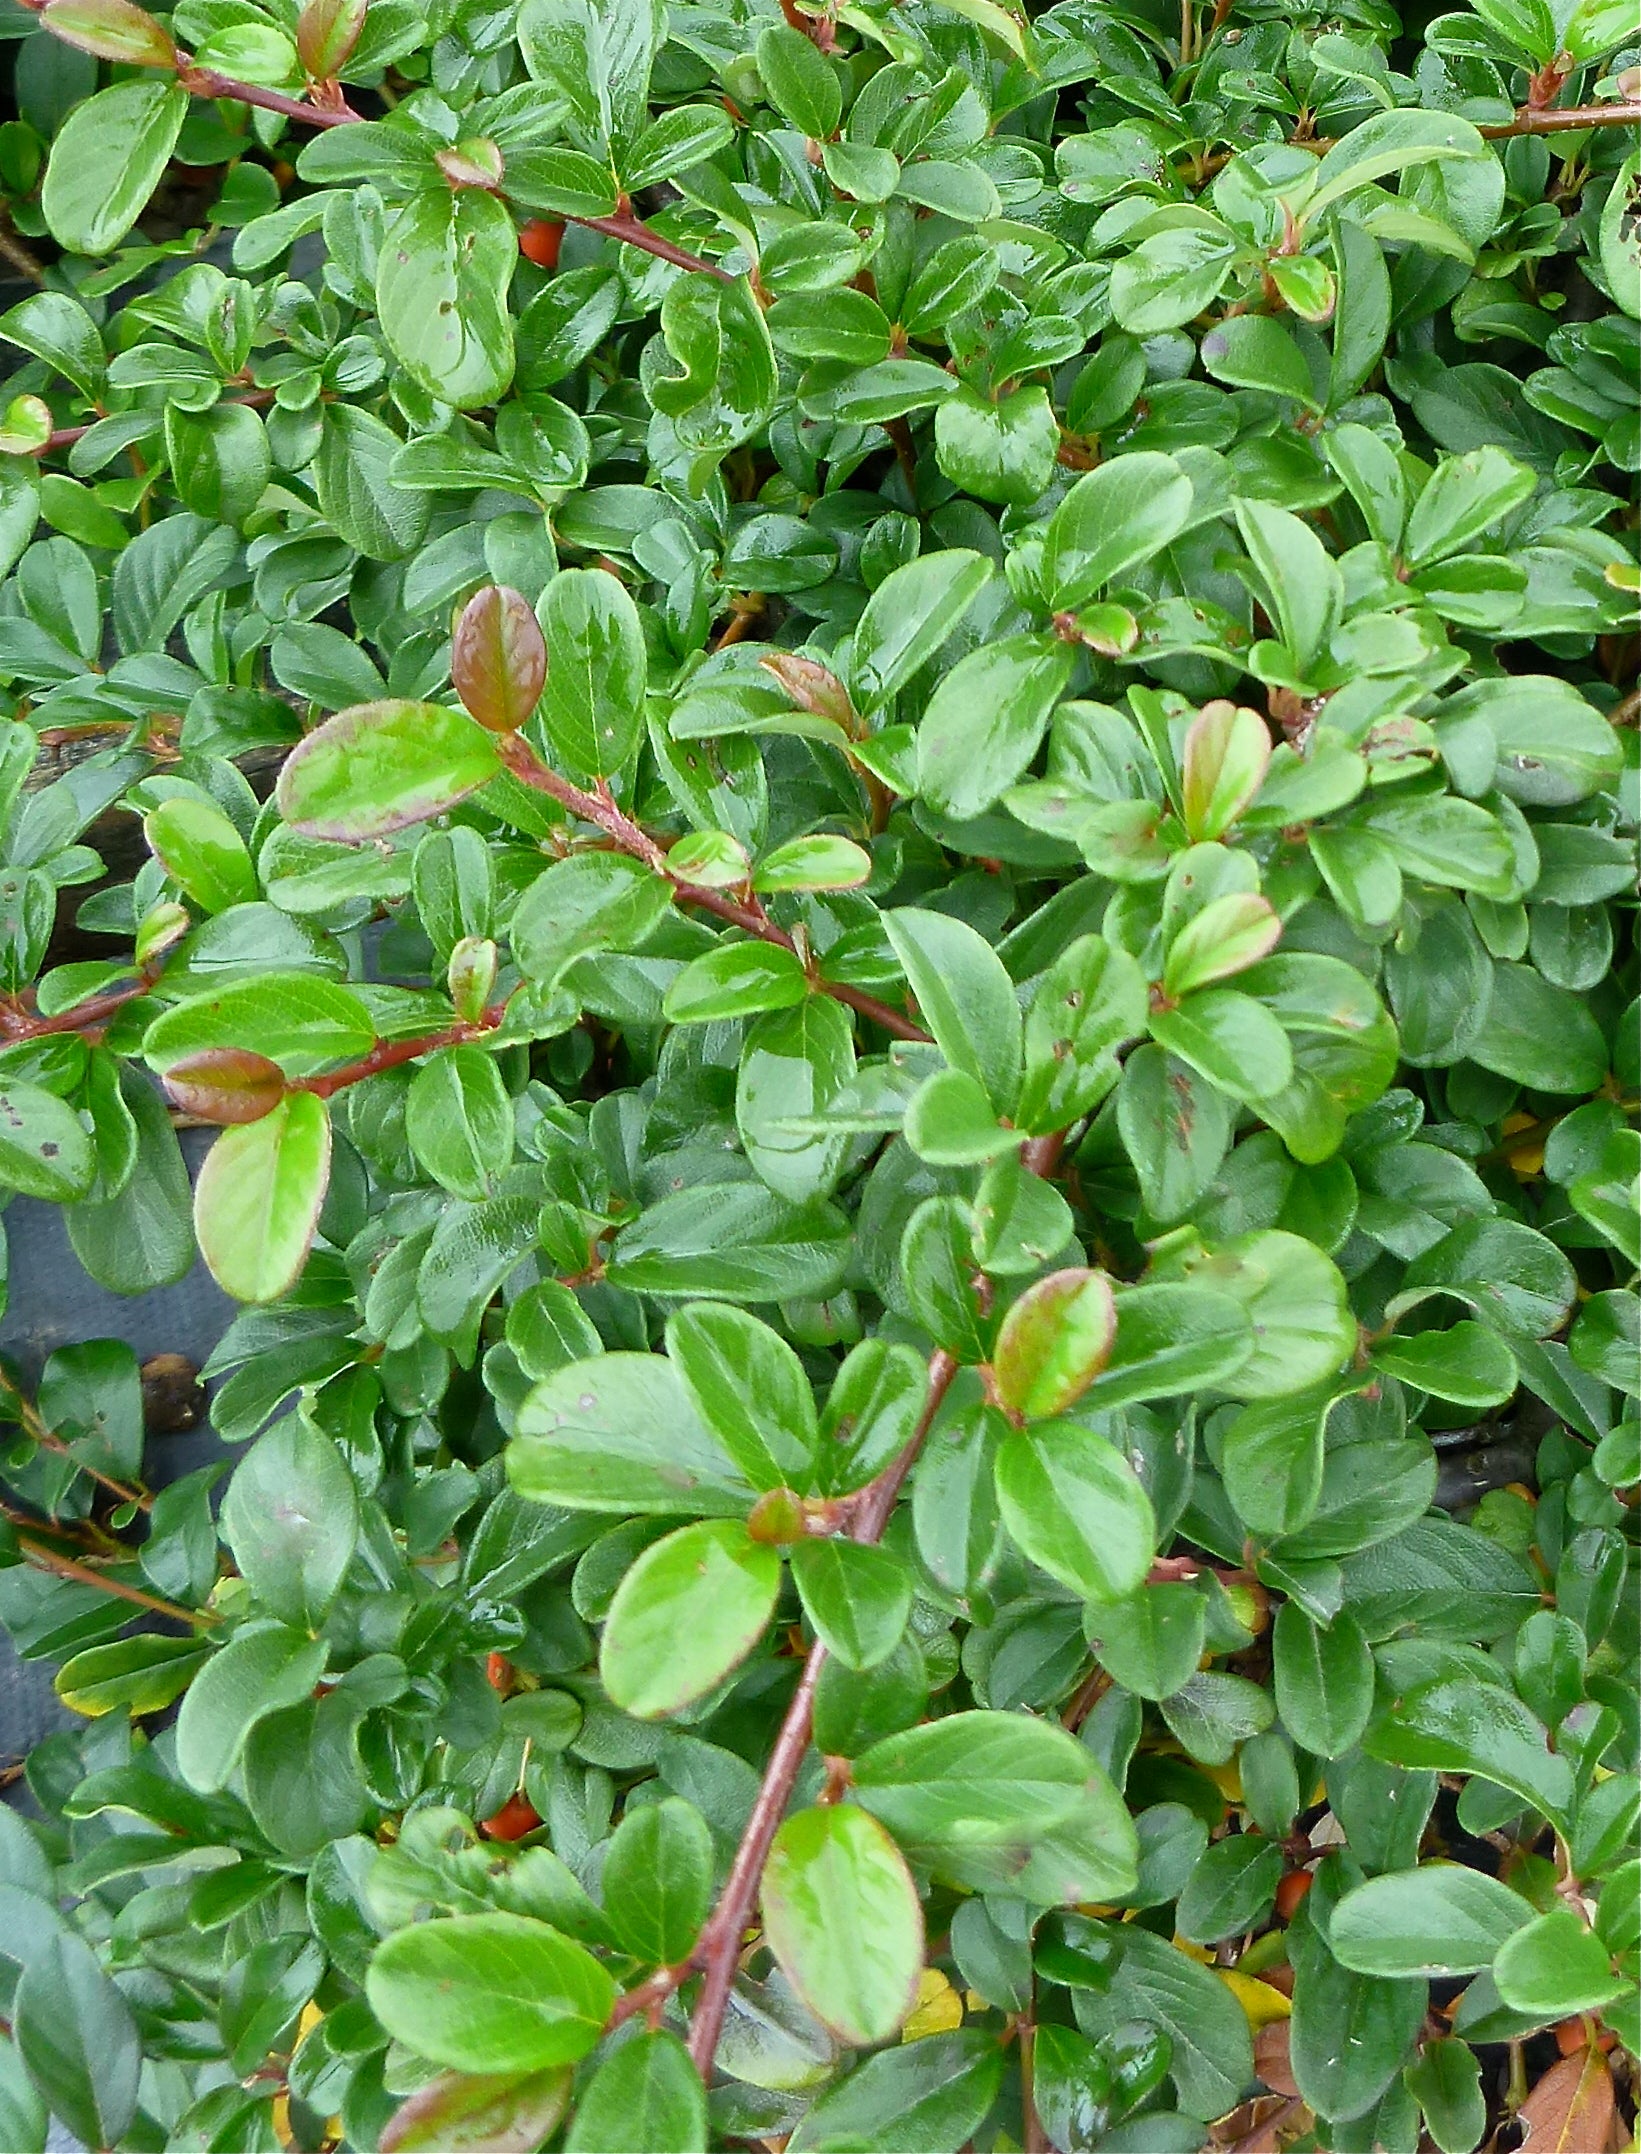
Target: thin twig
{"x":47,"y":1559}
{"x":389,"y":1054}
{"x":207,"y":82}
{"x":601,"y":811}
{"x":63,"y":436}
{"x":21,"y":258}
{"x":35,"y":1427}
{"x":1563,"y":119}
{"x":717,"y":1950}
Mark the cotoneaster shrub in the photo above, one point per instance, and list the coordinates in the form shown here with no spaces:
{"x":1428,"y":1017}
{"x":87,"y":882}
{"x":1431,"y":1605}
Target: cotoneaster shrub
{"x":941,"y":974}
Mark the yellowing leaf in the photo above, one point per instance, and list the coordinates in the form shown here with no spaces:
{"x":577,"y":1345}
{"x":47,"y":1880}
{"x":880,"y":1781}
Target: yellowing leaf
{"x":1259,"y":2001}
{"x":938,"y":2008}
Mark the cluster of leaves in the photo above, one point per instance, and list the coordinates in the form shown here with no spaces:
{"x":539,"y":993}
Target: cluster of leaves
{"x":956,"y":980}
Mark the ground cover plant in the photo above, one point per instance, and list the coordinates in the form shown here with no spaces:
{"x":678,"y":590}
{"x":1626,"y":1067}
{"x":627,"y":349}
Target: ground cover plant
{"x":878,"y":766}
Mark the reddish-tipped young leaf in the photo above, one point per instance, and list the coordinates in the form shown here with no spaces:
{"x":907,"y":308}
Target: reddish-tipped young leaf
{"x":1226,"y":753}
{"x":326,"y":33}
{"x":1226,"y":937}
{"x":380,"y":767}
{"x":498,"y":658}
{"x":1054,"y":1342}
{"x":225,"y":1085}
{"x":257,"y":1200}
{"x":112,"y":29}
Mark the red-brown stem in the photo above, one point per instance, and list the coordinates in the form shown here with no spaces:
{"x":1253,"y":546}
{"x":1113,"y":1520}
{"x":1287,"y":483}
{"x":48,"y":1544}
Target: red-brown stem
{"x":390,"y":1053}
{"x":718,"y":1948}
{"x":601,"y":810}
{"x":257,"y":399}
{"x":1560,"y":120}
{"x":47,"y":1559}
{"x":638,"y":234}
{"x":84,"y":1016}
{"x":206,"y":82}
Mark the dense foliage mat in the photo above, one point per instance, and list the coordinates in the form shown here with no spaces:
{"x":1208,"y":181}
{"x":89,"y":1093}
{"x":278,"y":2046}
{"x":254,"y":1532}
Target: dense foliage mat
{"x":880,"y":764}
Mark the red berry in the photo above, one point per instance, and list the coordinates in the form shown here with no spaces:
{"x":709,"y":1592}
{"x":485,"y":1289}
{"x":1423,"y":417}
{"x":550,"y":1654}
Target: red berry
{"x":540,"y":240}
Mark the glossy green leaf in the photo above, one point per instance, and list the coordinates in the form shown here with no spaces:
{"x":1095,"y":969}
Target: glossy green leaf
{"x":690,"y":1609}
{"x":489,"y":1993}
{"x":842,"y":1918}
{"x":257,"y":1200}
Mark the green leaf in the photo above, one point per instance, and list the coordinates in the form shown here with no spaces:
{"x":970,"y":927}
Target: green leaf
{"x":1233,"y":1040}
{"x":258,"y":1197}
{"x":657,"y":1880}
{"x":489,"y":1993}
{"x":841,"y":1916}
{"x":1387,"y":142}
{"x":645,"y":2098}
{"x":382,"y":766}
{"x":794,"y":1065}
{"x":263,"y":1668}
{"x":799,"y":81}
{"x":220,"y":459}
{"x":1226,"y":937}
{"x":1467,"y":1364}
{"x":1296,"y":1301}
{"x":1074,"y":1506}
{"x":1438,"y":1919}
{"x":736,"y":979}
{"x":986,"y":719}
{"x":291,"y":1518}
{"x":690,"y":1610}
{"x":1150,"y":1641}
{"x":715,"y":332}
{"x":1251,"y":351}
{"x":1115,"y":516}
{"x":1154,"y":1983}
{"x":296,"y":1019}
{"x":1091,"y":1000}
{"x":142,"y":1674}
{"x":44,"y":1149}
{"x":593,"y":708}
{"x":1299,"y":578}
{"x":1324,"y":1685}
{"x":965,"y":996}
{"x":1458,"y":1724}
{"x":459,"y":1121}
{"x":1000,"y":449}
{"x":925,"y":2097}
{"x":857,"y":1598}
{"x":908,"y":617}
{"x":1053,"y":1342}
{"x":1171,"y":1339}
{"x":950,"y":1123}
{"x":1231,"y":1889}
{"x":447,"y":257}
{"x":620,"y":1433}
{"x":1446,"y":2084}
{"x":1555,"y":1966}
{"x":107,"y":160}
{"x":582,"y":904}
{"x":202,"y":851}
{"x":77,"y":2039}
{"x":749,"y":1389}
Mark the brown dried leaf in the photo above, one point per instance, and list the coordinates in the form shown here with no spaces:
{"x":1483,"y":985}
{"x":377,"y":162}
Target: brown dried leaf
{"x":1271,"y":2057}
{"x":1571,"y":2109}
